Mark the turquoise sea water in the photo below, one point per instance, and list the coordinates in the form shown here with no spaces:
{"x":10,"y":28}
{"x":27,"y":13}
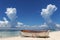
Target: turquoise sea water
{"x":9,"y":33}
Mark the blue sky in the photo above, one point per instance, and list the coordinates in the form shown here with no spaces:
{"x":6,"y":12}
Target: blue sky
{"x":29,"y":11}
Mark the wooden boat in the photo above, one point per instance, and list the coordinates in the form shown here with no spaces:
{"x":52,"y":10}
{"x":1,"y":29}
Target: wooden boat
{"x":30,"y":33}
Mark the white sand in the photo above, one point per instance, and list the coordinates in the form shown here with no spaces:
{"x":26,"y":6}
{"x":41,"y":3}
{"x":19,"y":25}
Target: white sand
{"x":53,"y":36}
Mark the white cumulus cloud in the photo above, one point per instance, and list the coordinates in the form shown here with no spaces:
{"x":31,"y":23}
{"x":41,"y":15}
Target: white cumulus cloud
{"x":19,"y":24}
{"x":46,"y":13}
{"x":11,"y":13}
{"x":58,"y":25}
{"x":49,"y":10}
{"x":4,"y":23}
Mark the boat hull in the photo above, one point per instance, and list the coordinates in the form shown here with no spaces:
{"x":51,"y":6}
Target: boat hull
{"x":35,"y":34}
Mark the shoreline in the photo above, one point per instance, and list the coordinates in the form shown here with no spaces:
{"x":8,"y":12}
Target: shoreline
{"x":53,"y":36}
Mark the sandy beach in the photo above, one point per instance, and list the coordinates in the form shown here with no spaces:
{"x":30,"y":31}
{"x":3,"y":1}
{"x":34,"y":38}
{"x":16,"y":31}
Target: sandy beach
{"x":52,"y":36}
